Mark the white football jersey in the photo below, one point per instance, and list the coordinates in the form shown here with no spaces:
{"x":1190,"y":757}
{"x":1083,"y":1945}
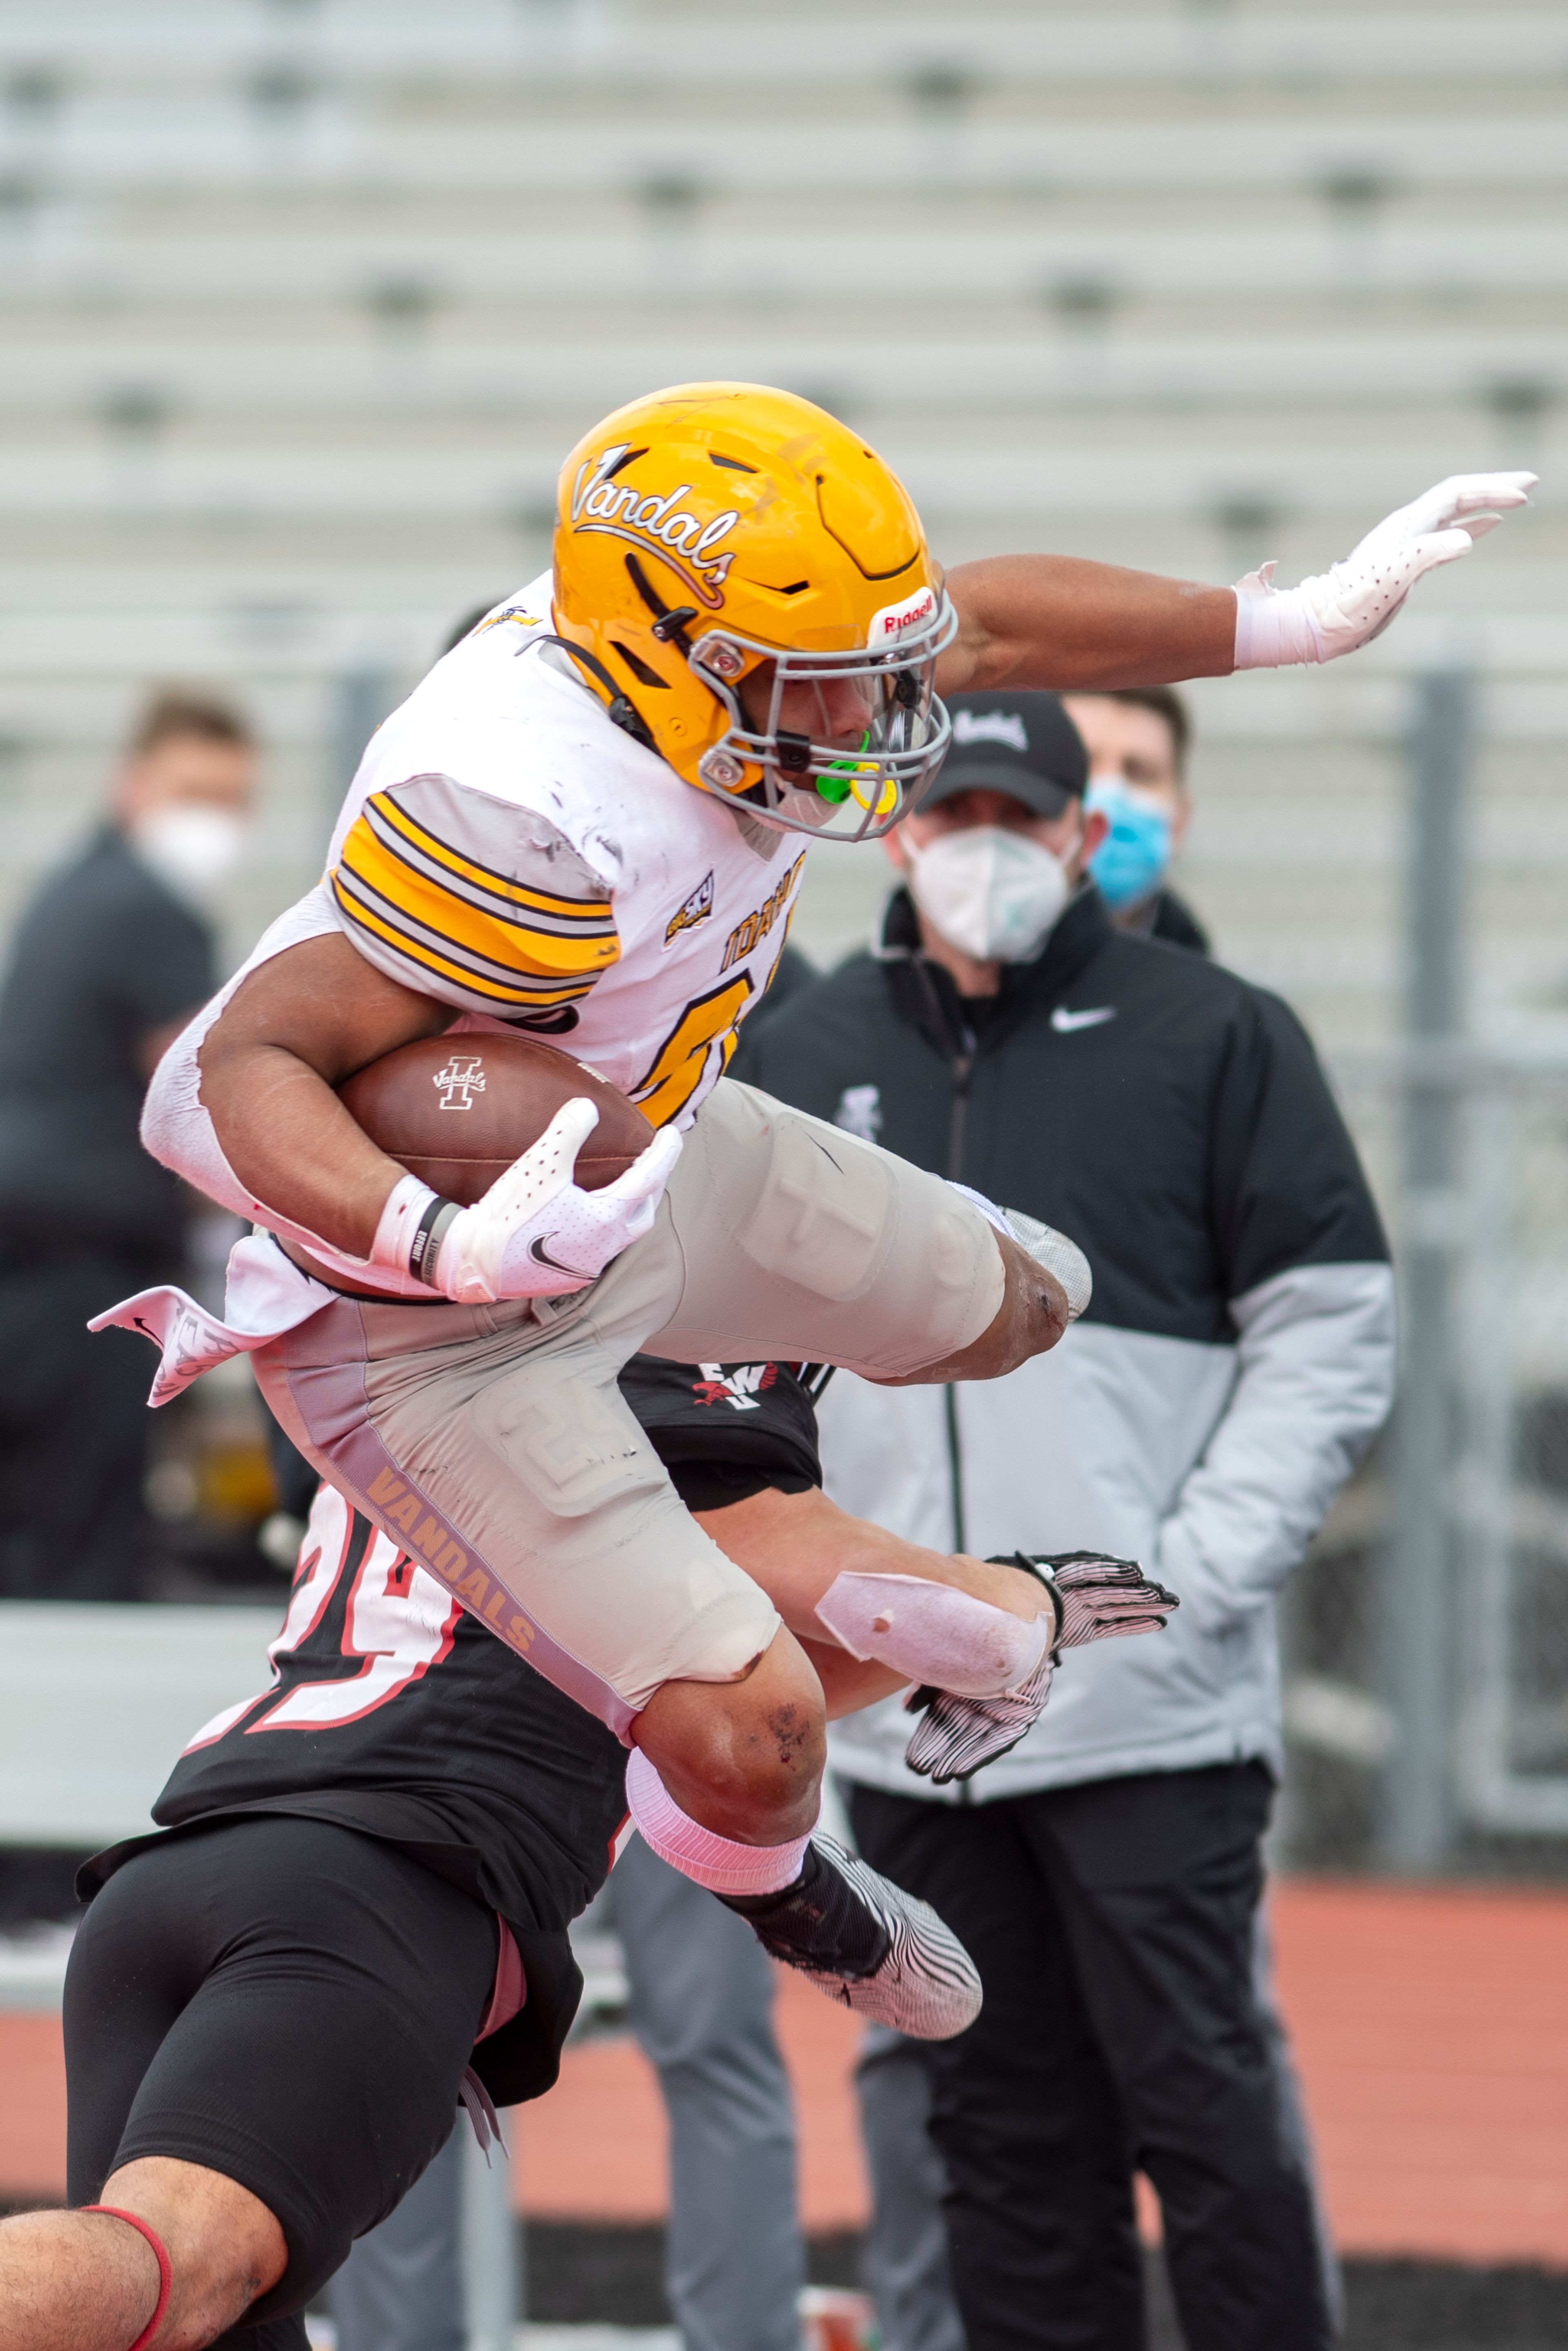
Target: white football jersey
{"x":507,"y":849}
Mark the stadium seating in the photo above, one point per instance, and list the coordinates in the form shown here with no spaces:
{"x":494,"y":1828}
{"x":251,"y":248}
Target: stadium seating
{"x":303,"y":301}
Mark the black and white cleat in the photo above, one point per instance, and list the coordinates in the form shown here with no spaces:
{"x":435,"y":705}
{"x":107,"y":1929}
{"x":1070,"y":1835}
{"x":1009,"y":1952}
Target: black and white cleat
{"x":867,"y":1945}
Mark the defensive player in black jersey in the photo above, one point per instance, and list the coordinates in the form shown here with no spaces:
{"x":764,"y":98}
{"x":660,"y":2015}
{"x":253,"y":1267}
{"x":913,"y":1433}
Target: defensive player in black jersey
{"x":355,"y":1913}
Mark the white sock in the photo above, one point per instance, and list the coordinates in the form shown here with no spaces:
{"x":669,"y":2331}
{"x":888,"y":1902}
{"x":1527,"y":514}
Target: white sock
{"x":934,"y":1633}
{"x":702,"y":1855}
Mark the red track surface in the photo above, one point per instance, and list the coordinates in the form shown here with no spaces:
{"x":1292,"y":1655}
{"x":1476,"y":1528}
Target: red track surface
{"x":1432,"y":2029}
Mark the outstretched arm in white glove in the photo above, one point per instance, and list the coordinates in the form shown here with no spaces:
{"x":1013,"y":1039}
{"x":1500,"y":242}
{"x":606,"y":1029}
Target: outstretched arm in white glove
{"x":536,"y":1233}
{"x":1341,"y":609}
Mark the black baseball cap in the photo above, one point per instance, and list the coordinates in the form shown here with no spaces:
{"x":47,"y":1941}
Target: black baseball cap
{"x":1022,"y":744}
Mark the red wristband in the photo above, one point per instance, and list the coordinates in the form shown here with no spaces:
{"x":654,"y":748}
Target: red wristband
{"x":165,"y":2274}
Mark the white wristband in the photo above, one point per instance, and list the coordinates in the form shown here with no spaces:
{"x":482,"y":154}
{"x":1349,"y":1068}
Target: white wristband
{"x":1274,"y":626}
{"x":405,"y":1205}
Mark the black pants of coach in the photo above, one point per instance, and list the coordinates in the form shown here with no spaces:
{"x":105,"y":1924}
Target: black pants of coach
{"x":74,"y":1428}
{"x":1113,"y":1925}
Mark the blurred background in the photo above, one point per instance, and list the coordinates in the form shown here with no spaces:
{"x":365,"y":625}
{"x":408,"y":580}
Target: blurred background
{"x":303,"y":301}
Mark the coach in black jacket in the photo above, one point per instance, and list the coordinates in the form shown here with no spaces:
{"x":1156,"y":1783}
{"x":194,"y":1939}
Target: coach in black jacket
{"x":1237,"y":1357}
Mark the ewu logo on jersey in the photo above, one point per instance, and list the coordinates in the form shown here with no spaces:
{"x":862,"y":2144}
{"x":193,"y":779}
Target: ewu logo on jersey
{"x":738,"y":1388}
{"x":599,"y":503}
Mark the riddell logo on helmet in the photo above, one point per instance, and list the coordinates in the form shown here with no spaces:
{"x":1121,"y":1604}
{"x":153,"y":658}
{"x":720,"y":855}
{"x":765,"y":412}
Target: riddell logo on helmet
{"x":661,"y":525}
{"x":917,"y":611}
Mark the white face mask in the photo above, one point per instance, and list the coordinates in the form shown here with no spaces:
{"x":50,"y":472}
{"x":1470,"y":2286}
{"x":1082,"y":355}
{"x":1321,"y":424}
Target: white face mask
{"x":994,"y":893}
{"x":189,"y":847}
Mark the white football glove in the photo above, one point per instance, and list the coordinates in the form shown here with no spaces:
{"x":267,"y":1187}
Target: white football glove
{"x":1339,"y":610}
{"x":536,"y":1233}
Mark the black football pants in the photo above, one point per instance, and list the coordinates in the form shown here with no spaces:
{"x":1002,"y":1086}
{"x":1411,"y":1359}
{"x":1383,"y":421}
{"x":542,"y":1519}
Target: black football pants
{"x":1113,"y":1927}
{"x":284,"y":2001}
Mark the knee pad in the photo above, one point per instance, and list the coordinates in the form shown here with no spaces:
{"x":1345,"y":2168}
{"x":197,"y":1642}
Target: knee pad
{"x":824,"y":1216}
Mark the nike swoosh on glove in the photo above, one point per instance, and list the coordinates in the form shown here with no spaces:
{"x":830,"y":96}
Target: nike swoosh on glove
{"x":537,"y":1233}
{"x":1096,"y":1598}
{"x":1345,"y":607}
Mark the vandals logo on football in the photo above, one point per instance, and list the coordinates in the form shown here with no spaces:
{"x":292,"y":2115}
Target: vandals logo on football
{"x":663,"y":525}
{"x":460,"y":1080}
{"x":691,"y":911}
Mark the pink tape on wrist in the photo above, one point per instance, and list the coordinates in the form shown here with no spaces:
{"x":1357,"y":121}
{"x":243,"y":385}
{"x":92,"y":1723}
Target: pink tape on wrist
{"x":165,"y":2273}
{"x":405,"y":1204}
{"x":707,"y":1859}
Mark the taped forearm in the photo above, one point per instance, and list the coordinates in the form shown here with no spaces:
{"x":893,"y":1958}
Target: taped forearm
{"x":795,"y":1545}
{"x":932,"y":1633}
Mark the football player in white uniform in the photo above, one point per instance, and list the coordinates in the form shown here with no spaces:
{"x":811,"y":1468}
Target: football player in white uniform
{"x":589,"y":821}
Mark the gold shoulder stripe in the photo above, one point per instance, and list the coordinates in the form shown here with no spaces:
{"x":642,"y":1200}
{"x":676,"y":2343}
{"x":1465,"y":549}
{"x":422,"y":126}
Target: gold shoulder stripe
{"x":518,"y":893}
{"x":509,"y":942}
{"x":422,"y":957}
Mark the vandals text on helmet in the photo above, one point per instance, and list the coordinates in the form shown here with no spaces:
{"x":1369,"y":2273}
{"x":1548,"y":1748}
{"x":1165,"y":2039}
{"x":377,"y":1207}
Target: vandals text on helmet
{"x":661,"y":524}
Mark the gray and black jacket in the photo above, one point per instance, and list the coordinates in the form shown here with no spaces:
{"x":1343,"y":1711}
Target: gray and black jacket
{"x":1239,"y":1355}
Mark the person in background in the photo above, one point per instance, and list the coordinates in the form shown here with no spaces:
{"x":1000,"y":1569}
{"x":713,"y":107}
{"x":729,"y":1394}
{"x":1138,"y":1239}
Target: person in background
{"x":791,"y":972}
{"x":701,"y":2008}
{"x":108,"y":960}
{"x":1235,"y":1359}
{"x":1138,"y":740}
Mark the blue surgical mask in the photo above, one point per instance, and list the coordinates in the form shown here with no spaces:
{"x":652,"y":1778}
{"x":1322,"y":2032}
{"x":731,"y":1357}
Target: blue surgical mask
{"x":1130,"y":864}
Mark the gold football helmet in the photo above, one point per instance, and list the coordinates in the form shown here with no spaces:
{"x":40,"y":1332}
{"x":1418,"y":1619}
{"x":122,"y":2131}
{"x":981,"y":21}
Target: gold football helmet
{"x":749,"y":590}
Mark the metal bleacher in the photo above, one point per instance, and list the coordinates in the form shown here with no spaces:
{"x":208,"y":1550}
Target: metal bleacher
{"x":304,"y":302}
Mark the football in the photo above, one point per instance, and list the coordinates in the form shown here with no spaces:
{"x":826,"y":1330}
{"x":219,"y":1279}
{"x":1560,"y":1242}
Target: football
{"x":456,"y":1111}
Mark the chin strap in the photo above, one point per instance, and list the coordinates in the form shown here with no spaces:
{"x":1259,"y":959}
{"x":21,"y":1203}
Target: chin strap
{"x":165,"y":2273}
